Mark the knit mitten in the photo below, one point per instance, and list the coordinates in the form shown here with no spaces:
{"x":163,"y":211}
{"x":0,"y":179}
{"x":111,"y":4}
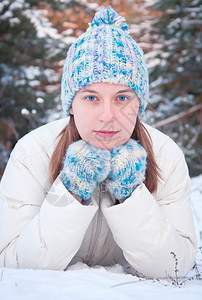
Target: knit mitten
{"x":128,"y":167}
{"x":84,"y":168}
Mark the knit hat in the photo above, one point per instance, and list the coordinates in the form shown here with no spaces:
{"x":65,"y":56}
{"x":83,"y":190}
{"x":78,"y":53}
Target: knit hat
{"x":105,"y":53}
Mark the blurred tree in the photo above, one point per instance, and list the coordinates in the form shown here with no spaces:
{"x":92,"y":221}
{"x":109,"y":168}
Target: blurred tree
{"x":29,"y":50}
{"x":175,"y":73}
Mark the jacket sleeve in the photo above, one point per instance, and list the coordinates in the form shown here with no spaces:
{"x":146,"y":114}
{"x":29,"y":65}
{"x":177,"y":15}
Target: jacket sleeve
{"x":152,"y":229}
{"x":38,"y":230}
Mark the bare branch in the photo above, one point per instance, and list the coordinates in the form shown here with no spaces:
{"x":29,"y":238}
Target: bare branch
{"x":178,"y":116}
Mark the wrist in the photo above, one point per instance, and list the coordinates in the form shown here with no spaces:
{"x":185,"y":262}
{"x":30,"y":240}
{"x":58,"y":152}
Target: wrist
{"x":76,"y":197}
{"x":86,"y":202}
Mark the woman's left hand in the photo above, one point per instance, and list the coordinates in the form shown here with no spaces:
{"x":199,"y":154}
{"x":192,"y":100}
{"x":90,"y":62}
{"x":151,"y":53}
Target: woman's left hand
{"x":128,"y":168}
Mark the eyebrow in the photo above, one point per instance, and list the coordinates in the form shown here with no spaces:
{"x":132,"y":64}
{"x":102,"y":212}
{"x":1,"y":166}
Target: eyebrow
{"x":88,"y":91}
{"x":126,"y":91}
{"x":95,"y":92}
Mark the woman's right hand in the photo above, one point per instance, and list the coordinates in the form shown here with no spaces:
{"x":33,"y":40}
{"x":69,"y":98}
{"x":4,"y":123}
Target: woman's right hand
{"x":84,"y":168}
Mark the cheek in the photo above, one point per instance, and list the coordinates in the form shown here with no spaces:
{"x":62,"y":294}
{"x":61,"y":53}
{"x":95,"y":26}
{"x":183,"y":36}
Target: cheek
{"x":129,"y":127}
{"x":127,"y":118}
{"x":83,"y":123}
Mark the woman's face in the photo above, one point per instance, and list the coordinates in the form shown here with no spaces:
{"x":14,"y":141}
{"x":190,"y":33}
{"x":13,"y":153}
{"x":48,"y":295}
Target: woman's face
{"x":105,"y":114}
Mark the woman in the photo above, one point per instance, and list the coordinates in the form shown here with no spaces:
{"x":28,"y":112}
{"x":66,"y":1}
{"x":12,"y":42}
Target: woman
{"x":103,"y":188}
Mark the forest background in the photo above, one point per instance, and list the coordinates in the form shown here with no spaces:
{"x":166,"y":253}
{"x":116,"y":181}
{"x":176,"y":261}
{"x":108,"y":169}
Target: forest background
{"x":34,"y":39}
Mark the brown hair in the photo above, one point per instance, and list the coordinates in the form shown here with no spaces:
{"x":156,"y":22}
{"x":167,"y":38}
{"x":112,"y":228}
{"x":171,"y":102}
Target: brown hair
{"x":70,"y":134}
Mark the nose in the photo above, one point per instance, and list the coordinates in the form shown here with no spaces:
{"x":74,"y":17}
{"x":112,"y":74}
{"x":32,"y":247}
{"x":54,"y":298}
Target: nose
{"x":106,"y":113}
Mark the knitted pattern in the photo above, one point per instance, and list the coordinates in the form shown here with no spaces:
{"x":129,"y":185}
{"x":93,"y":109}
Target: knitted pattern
{"x":84,"y":167}
{"x":105,"y":53}
{"x":128,"y":167}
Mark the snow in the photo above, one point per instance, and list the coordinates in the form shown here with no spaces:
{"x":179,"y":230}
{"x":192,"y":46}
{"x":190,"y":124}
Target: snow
{"x":40,"y":100}
{"x":180,"y":69}
{"x":82,"y":282}
{"x":51,"y":75}
{"x":69,"y":40}
{"x":157,"y":82}
{"x":24,"y":111}
{"x":14,"y":21}
{"x":153,"y":63}
{"x":89,"y":5}
{"x":31,"y":72}
{"x":8,"y":14}
{"x":175,"y":23}
{"x":18,"y":4}
{"x":43,"y":26}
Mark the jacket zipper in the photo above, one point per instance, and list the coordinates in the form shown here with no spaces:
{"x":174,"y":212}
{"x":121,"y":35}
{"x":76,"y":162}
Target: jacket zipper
{"x":91,"y":255}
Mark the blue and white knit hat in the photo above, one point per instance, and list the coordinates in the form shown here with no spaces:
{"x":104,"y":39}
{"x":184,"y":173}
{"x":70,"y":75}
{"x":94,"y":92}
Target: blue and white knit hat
{"x":105,"y":53}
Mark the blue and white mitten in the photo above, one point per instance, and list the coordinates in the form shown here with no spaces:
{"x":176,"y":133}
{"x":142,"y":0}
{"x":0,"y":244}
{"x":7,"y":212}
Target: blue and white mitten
{"x":84,"y":168}
{"x":128,"y":168}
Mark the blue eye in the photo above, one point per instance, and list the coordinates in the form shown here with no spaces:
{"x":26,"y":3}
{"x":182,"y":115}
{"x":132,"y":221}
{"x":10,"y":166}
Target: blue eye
{"x":122,"y":98}
{"x":91,"y":98}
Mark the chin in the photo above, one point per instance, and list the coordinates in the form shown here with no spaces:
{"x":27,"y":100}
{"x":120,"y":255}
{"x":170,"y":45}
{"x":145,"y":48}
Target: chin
{"x":103,"y":146}
{"x":107,"y":145}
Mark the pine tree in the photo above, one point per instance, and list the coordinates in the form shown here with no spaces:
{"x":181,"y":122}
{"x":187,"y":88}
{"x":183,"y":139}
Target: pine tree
{"x":30,"y":49}
{"x":175,"y":73}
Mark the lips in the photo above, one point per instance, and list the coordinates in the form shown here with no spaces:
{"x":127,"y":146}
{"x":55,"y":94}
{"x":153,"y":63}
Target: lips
{"x":105,"y":133}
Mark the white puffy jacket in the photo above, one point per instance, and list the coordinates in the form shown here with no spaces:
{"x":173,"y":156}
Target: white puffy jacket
{"x":44,"y":227}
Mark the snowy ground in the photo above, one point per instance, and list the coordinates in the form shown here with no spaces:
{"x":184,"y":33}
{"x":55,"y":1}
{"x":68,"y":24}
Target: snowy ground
{"x":82,"y":282}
